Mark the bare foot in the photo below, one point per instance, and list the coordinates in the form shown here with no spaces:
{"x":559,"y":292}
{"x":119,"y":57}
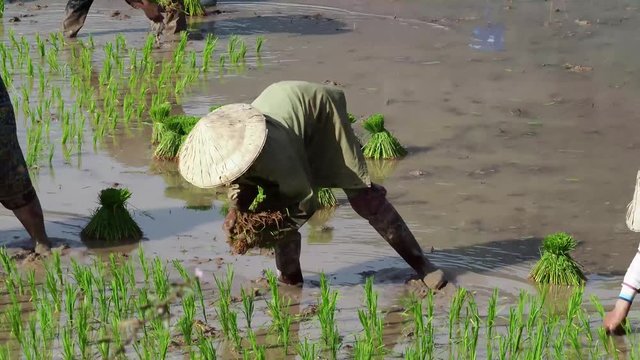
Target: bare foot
{"x":43,"y":248}
{"x":435,"y":280}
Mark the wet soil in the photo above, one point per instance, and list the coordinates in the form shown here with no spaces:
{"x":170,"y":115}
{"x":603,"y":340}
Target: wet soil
{"x":504,"y":147}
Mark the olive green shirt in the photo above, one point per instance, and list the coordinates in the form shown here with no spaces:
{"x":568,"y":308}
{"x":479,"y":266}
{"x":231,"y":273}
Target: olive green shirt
{"x":310,"y":144}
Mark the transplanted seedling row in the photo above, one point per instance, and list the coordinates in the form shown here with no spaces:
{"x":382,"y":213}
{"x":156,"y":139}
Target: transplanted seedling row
{"x":125,"y":308}
{"x":59,"y":84}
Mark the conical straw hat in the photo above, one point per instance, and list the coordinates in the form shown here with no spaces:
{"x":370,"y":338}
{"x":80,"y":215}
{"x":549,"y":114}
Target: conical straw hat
{"x":222,"y":146}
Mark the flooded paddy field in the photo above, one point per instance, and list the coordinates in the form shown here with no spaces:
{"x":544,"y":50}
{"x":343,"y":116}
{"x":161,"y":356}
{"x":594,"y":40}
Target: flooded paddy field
{"x":505,"y":147}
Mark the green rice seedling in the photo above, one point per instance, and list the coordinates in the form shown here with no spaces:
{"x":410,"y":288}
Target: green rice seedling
{"x":179,"y":52}
{"x":326,"y":198}
{"x":326,"y":314}
{"x":68,"y":345}
{"x":193,"y":60}
{"x":259,"y":44}
{"x":31,"y":280}
{"x":193,"y":8}
{"x":224,"y":300}
{"x":307,"y":350}
{"x":160,"y":279}
{"x":1,"y":8}
{"x":490,"y":321}
{"x":172,"y":134}
{"x":52,"y":60}
{"x":207,"y":348}
{"x":221,"y":63}
{"x":8,"y":264}
{"x":234,"y":331}
{"x":232,"y":44}
{"x":104,"y":347}
{"x":209,"y":47}
{"x":45,"y":319}
{"x":248,"y":299}
{"x":82,"y":329}
{"x":199,"y":274}
{"x":14,"y":315}
{"x":370,"y":319}
{"x":381,"y":144}
{"x":127,"y":107}
{"x":52,"y":288}
{"x":121,"y":43}
{"x":363,"y":348}
{"x":556,"y":266}
{"x":274,"y":305}
{"x":285,"y":326}
{"x":454,"y":313}
{"x":70,"y":296}
{"x":112,"y":221}
{"x":187,"y":320}
{"x":30,"y":68}
{"x":144,"y":265}
{"x":40,"y":45}
{"x":163,"y":339}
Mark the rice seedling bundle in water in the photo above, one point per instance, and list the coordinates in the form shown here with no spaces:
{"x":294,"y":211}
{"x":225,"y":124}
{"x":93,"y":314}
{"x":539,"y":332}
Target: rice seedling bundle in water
{"x":172,"y":134}
{"x":382,"y":144}
{"x":326,"y":198}
{"x":112,"y":222}
{"x":556,"y":266}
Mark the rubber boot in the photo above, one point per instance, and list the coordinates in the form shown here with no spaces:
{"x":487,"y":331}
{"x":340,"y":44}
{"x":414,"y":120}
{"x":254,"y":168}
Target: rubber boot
{"x":76,"y":13}
{"x":372,"y":204}
{"x":287,"y":251}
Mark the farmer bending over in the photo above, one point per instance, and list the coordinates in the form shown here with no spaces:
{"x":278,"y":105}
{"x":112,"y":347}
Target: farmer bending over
{"x":174,"y":22}
{"x":16,"y":191}
{"x":294,"y":138}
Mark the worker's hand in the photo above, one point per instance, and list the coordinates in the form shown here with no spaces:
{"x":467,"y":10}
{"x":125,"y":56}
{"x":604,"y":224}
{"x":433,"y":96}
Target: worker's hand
{"x":614,"y":318}
{"x":151,"y":9}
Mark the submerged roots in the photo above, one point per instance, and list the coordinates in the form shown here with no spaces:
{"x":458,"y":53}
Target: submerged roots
{"x":255,"y":229}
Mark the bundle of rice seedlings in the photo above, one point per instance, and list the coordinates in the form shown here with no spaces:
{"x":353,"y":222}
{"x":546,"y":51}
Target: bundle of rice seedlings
{"x":352,"y":118}
{"x":556,"y":266}
{"x":193,"y":8}
{"x":382,"y":144}
{"x":159,"y":114}
{"x":112,"y":222}
{"x":172,"y":134}
{"x":326,"y":198}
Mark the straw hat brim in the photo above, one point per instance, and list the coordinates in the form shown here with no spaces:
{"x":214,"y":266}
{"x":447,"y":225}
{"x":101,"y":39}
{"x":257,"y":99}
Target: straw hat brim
{"x":222,"y":146}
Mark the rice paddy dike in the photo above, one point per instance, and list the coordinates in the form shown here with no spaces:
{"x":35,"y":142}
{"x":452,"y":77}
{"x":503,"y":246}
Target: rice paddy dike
{"x":503,"y":149}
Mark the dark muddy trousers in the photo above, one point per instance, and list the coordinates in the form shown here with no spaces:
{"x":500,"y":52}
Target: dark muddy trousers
{"x":76,"y":13}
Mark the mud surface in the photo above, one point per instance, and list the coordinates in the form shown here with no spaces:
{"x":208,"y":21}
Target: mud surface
{"x":505,"y":147}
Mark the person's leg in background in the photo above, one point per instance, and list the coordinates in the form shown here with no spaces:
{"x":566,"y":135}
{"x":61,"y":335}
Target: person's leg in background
{"x":371,"y":203}
{"x":16,"y":190}
{"x":28,"y":211}
{"x":76,"y":14}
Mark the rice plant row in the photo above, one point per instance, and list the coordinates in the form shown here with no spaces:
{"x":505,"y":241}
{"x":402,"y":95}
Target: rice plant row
{"x":140,"y":308}
{"x":52,"y":82}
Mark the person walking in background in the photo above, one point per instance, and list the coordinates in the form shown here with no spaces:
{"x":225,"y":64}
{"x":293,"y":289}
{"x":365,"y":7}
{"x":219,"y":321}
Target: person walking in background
{"x":16,"y":190}
{"x":172,"y":23}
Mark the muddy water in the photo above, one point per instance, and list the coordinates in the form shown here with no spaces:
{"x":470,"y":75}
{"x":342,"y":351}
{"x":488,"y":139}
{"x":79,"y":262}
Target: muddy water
{"x":510,"y":145}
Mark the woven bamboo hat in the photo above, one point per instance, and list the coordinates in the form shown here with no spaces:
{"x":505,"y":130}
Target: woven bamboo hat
{"x":222,"y":146}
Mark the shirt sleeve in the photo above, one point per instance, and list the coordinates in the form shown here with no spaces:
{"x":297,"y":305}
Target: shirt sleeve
{"x":631,"y":283}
